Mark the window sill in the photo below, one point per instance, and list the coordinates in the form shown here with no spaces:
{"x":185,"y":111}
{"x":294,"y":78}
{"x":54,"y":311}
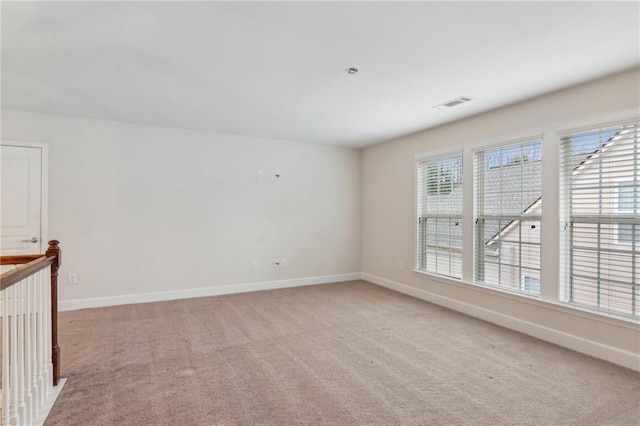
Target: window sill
{"x":536,"y":301}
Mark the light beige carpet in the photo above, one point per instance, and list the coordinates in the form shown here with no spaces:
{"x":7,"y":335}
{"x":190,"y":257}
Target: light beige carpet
{"x":340,"y":354}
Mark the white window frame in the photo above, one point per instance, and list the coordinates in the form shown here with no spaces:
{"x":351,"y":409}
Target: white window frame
{"x":418,"y":217}
{"x":564,"y":270}
{"x":476,"y":216}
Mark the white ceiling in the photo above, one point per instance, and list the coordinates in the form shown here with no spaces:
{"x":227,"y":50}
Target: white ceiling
{"x":276,"y":69}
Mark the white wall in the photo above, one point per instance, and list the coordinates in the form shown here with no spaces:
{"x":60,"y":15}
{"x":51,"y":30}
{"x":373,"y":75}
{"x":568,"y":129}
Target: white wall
{"x":389,"y":213}
{"x":142,"y":209}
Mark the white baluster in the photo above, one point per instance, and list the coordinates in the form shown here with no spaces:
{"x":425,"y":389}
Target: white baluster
{"x":14,"y":356}
{"x":28,"y":397}
{"x":34,"y":345}
{"x":2,"y":315}
{"x":46,"y":371}
{"x":5,"y":358}
{"x":40,"y":343}
{"x":49,"y":351}
{"x":20,"y":366}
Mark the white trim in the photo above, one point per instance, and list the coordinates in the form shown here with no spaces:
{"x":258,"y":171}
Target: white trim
{"x":536,"y":300}
{"x":95,"y":302}
{"x":44,"y":218}
{"x":608,"y":353}
{"x":43,"y":412}
{"x":44,"y":186}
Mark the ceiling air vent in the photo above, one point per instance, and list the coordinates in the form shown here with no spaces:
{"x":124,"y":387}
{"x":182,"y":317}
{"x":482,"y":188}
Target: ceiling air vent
{"x":453,"y":102}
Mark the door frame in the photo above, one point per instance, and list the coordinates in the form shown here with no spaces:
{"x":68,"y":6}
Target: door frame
{"x":44,"y":186}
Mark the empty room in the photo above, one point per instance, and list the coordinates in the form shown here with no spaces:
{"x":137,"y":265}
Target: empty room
{"x":320,"y":213}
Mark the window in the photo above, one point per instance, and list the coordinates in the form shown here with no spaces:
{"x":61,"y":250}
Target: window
{"x":508,"y":203}
{"x":440,"y":216}
{"x":592,"y":229}
{"x":600,"y":202}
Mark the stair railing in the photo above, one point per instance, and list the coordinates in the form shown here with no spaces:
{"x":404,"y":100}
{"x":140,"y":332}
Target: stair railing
{"x":30,"y":352}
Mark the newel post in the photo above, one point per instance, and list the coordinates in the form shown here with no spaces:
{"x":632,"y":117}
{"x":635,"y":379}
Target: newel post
{"x":54,"y":251}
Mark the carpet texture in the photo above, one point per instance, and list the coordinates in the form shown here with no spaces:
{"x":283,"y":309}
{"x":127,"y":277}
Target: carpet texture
{"x":339,"y":354}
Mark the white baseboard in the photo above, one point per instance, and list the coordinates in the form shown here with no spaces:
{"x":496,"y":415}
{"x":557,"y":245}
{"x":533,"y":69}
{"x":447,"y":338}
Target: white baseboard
{"x":97,"y":302}
{"x":43,"y":413}
{"x":598,"y":350}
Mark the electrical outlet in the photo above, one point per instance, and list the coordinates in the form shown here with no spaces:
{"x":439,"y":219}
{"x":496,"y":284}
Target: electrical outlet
{"x":400,"y":265}
{"x":283,"y":263}
{"x":72,"y":278}
{"x":254,"y":264}
{"x":276,"y":263}
{"x":260,"y":174}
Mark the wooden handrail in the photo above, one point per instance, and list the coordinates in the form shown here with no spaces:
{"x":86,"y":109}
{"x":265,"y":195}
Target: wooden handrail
{"x":19,"y":259}
{"x":30,"y":264}
{"x":9,"y":278}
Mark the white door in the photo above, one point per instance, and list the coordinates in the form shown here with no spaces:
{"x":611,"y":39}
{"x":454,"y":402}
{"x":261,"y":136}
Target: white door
{"x":21,"y":229}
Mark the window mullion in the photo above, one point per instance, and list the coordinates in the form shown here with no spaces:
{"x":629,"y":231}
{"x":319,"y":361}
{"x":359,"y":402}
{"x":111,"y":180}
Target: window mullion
{"x":634,"y":227}
{"x":468,"y":228}
{"x":550,"y":219}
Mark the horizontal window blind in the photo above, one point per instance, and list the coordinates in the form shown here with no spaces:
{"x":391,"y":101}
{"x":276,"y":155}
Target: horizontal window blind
{"x":439,"y":186}
{"x":600,"y":202}
{"x":508,"y":202}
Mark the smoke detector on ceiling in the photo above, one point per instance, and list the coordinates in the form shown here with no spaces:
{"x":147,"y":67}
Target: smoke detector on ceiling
{"x":453,"y":102}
